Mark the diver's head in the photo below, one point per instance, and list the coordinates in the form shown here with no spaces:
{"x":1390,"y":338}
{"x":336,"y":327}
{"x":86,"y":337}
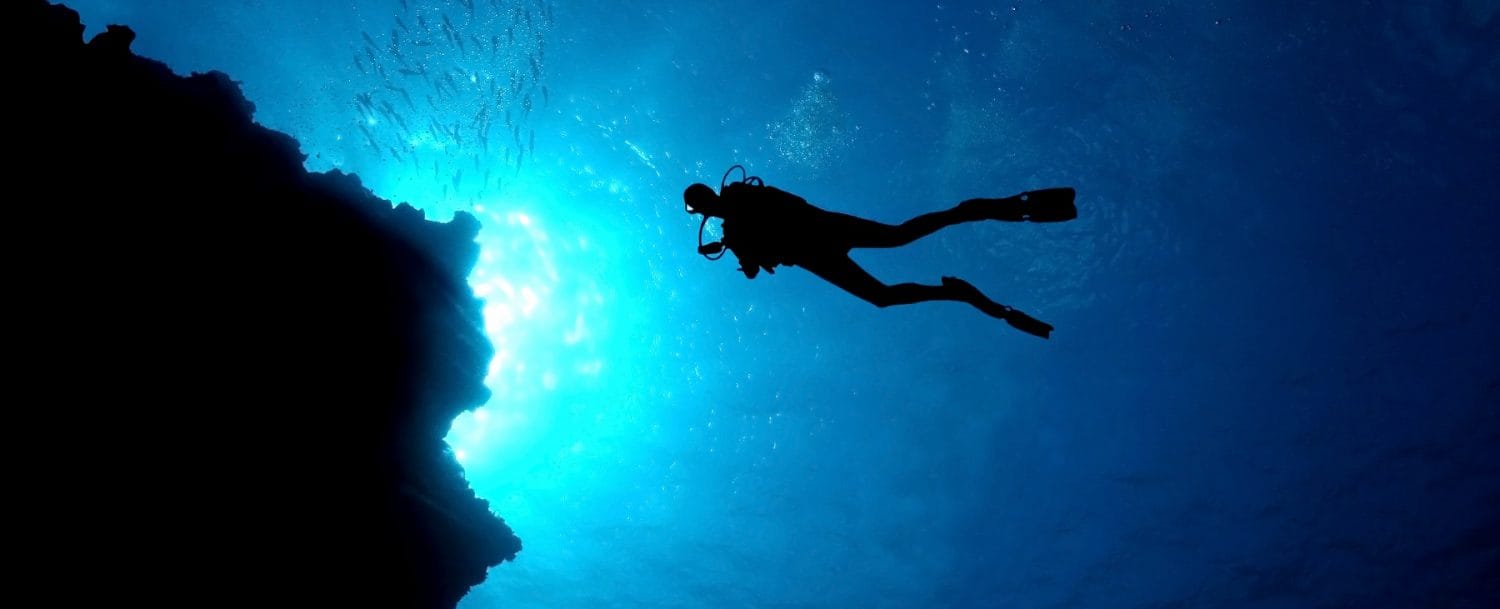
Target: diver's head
{"x":700,"y":199}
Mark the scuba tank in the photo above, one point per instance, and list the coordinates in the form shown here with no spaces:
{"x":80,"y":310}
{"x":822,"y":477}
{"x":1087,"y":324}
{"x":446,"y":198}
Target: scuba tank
{"x":715,"y":250}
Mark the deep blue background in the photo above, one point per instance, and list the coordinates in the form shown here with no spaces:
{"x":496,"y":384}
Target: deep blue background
{"x":1274,"y":381}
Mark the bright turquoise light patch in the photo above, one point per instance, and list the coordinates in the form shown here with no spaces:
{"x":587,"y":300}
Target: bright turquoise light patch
{"x":545,"y":325}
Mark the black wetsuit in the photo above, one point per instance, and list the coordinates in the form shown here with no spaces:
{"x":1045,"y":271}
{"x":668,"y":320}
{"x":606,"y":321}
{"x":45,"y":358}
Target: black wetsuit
{"x":769,"y":227}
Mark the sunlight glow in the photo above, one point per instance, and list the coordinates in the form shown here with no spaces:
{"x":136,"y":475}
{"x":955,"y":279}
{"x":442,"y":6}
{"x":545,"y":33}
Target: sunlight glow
{"x":541,"y":322}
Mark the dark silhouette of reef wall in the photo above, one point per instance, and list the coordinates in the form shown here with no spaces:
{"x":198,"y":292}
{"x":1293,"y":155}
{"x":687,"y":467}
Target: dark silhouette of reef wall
{"x":228,"y":379}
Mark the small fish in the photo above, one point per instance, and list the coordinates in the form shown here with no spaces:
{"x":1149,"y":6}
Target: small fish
{"x":448,"y":25}
{"x":370,"y":139}
{"x":368,"y":40}
{"x":420,"y":71}
{"x":399,"y":91}
{"x":531,"y":142}
{"x":545,"y":98}
{"x":364,"y":100}
{"x":458,"y":178}
{"x":360,"y":64}
{"x":526,"y":105}
{"x":402,"y":24}
{"x":536,"y":68}
{"x":422,"y":23}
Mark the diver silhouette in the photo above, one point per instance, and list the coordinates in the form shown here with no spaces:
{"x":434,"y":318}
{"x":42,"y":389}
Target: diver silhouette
{"x":765,"y":227}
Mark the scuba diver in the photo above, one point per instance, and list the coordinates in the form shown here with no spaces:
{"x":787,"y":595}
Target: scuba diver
{"x":765,"y":227}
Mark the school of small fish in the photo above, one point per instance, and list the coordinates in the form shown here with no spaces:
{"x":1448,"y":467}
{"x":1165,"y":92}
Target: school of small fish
{"x":453,"y":85}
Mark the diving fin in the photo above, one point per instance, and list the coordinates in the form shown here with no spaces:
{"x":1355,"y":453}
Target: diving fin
{"x":1028,"y":324}
{"x":1018,"y":320}
{"x":1049,"y":205}
{"x":1045,"y":205}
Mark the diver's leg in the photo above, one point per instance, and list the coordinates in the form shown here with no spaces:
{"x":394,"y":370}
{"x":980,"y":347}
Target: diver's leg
{"x":1010,"y":315}
{"x":843,"y":272}
{"x":1047,"y":205}
{"x":851,"y":231}
{"x":839,"y":270}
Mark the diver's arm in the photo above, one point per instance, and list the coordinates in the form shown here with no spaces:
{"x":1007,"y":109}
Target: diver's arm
{"x":749,"y":266}
{"x":751,"y":260}
{"x":750,"y":263}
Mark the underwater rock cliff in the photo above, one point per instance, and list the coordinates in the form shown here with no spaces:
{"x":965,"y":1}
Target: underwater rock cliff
{"x":230,"y":378}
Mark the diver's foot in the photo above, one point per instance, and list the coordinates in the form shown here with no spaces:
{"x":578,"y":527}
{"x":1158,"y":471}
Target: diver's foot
{"x":1045,"y":205}
{"x":994,"y":309}
{"x":1027,"y":323}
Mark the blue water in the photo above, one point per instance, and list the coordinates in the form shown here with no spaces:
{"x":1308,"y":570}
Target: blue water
{"x":1274,"y":381}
